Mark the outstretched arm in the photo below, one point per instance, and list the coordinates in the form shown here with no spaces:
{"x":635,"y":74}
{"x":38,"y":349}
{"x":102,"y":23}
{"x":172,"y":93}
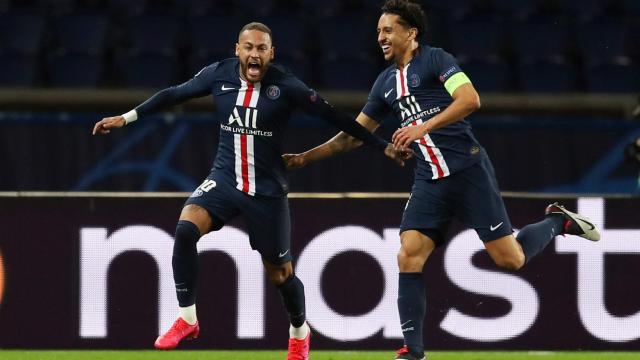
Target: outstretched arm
{"x":339,"y":144}
{"x":197,"y":87}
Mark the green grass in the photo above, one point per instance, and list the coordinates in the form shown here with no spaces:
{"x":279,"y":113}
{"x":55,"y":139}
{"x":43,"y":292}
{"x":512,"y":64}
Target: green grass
{"x":315,"y":355}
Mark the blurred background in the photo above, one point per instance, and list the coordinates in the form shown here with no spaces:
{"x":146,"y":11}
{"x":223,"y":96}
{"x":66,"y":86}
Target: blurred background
{"x":559,"y":82}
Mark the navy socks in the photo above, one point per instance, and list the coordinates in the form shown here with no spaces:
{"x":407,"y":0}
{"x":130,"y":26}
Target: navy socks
{"x":412,"y":307}
{"x":185,"y":262}
{"x":292,"y":293}
{"x":535,"y":237}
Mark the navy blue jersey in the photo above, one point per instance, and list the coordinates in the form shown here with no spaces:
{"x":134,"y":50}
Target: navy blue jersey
{"x":253,"y":117}
{"x":416,"y":93}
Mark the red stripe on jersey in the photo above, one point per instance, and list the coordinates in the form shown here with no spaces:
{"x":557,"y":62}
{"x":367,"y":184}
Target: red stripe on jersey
{"x":245,"y":163}
{"x":247,"y":95}
{"x":432,"y":155}
{"x":401,"y":71}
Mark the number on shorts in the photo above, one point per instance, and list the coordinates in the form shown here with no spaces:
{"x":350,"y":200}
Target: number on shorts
{"x":207,"y":185}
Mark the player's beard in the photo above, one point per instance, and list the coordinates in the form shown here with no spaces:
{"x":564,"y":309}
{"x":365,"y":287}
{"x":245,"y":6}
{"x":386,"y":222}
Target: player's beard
{"x":254,"y":73}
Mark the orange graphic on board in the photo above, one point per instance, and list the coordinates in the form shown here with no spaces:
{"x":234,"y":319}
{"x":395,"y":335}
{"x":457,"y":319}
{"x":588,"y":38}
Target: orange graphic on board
{"x":1,"y":278}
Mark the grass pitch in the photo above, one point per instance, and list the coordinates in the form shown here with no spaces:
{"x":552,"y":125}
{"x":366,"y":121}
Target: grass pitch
{"x":315,"y":355}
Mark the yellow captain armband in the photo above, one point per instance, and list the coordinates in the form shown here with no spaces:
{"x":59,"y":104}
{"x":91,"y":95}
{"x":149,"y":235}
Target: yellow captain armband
{"x":455,"y":81}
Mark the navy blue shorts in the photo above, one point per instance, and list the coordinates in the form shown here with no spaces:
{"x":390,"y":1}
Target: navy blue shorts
{"x":267,"y":218}
{"x":470,"y":195}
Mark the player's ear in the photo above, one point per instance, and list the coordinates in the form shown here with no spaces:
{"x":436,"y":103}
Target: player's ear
{"x":273,"y":53}
{"x":413,"y":33}
{"x":237,"y":49}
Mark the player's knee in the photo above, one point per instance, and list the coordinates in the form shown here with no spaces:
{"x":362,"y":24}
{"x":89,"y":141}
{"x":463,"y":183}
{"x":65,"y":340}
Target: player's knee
{"x":279,"y":275}
{"x":186,"y":231}
{"x":409,"y":262}
{"x":511,"y":262}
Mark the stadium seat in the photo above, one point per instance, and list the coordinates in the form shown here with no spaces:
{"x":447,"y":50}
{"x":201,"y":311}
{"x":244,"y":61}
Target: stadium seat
{"x":578,"y":9}
{"x":255,"y":9}
{"x":631,"y":7}
{"x":154,"y":34}
{"x":546,"y":75}
{"x":82,"y":34}
{"x":30,"y":29}
{"x":21,"y":37}
{"x":346,"y":61}
{"x":289,"y":35}
{"x":214,"y":34}
{"x":207,"y":49}
{"x":633,"y":39}
{"x":148,"y":71}
{"x":540,"y":37}
{"x":512,"y":8}
{"x":297,"y":64}
{"x":126,"y":8}
{"x":452,"y":8}
{"x":488,"y":75}
{"x":347,"y":73}
{"x":74,"y":70}
{"x":321,"y":9}
{"x":18,"y":70}
{"x":613,"y":77}
{"x":197,"y":8}
{"x":487,"y":38}
{"x":601,"y":39}
{"x":335,"y":41}
{"x":58,"y":7}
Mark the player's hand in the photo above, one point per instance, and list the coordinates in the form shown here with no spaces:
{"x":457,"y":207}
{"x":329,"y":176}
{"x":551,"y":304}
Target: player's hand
{"x":294,"y":161}
{"x":399,"y":156}
{"x":403,"y":138}
{"x":105,"y":125}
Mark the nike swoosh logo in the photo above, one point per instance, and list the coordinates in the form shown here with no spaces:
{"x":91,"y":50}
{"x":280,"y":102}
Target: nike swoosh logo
{"x":224,"y":88}
{"x":593,"y":227}
{"x":493,"y":228}
{"x":405,"y":323}
{"x":283,"y":254}
{"x":386,"y":94}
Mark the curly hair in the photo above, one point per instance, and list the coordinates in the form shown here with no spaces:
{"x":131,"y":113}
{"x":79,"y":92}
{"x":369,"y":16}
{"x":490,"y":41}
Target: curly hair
{"x":410,"y":13}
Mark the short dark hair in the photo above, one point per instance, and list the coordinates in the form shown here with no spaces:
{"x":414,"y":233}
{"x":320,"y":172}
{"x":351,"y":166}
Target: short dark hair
{"x":410,"y":13}
{"x":257,"y":26}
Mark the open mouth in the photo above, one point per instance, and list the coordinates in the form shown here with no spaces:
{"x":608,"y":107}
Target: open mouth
{"x":253,"y":68}
{"x":386,"y":48}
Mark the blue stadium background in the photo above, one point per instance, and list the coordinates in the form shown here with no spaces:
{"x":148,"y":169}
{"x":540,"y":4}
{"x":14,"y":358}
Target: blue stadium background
{"x":525,"y":45}
{"x":507,"y":47}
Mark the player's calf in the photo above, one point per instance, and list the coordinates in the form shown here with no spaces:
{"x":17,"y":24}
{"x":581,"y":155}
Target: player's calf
{"x":506,"y":252}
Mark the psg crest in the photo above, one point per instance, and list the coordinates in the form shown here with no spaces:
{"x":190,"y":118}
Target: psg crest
{"x":414,"y":80}
{"x":273,"y":92}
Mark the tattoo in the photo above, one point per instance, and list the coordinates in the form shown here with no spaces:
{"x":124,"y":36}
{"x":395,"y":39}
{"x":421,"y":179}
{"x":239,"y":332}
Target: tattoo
{"x":342,"y":143}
